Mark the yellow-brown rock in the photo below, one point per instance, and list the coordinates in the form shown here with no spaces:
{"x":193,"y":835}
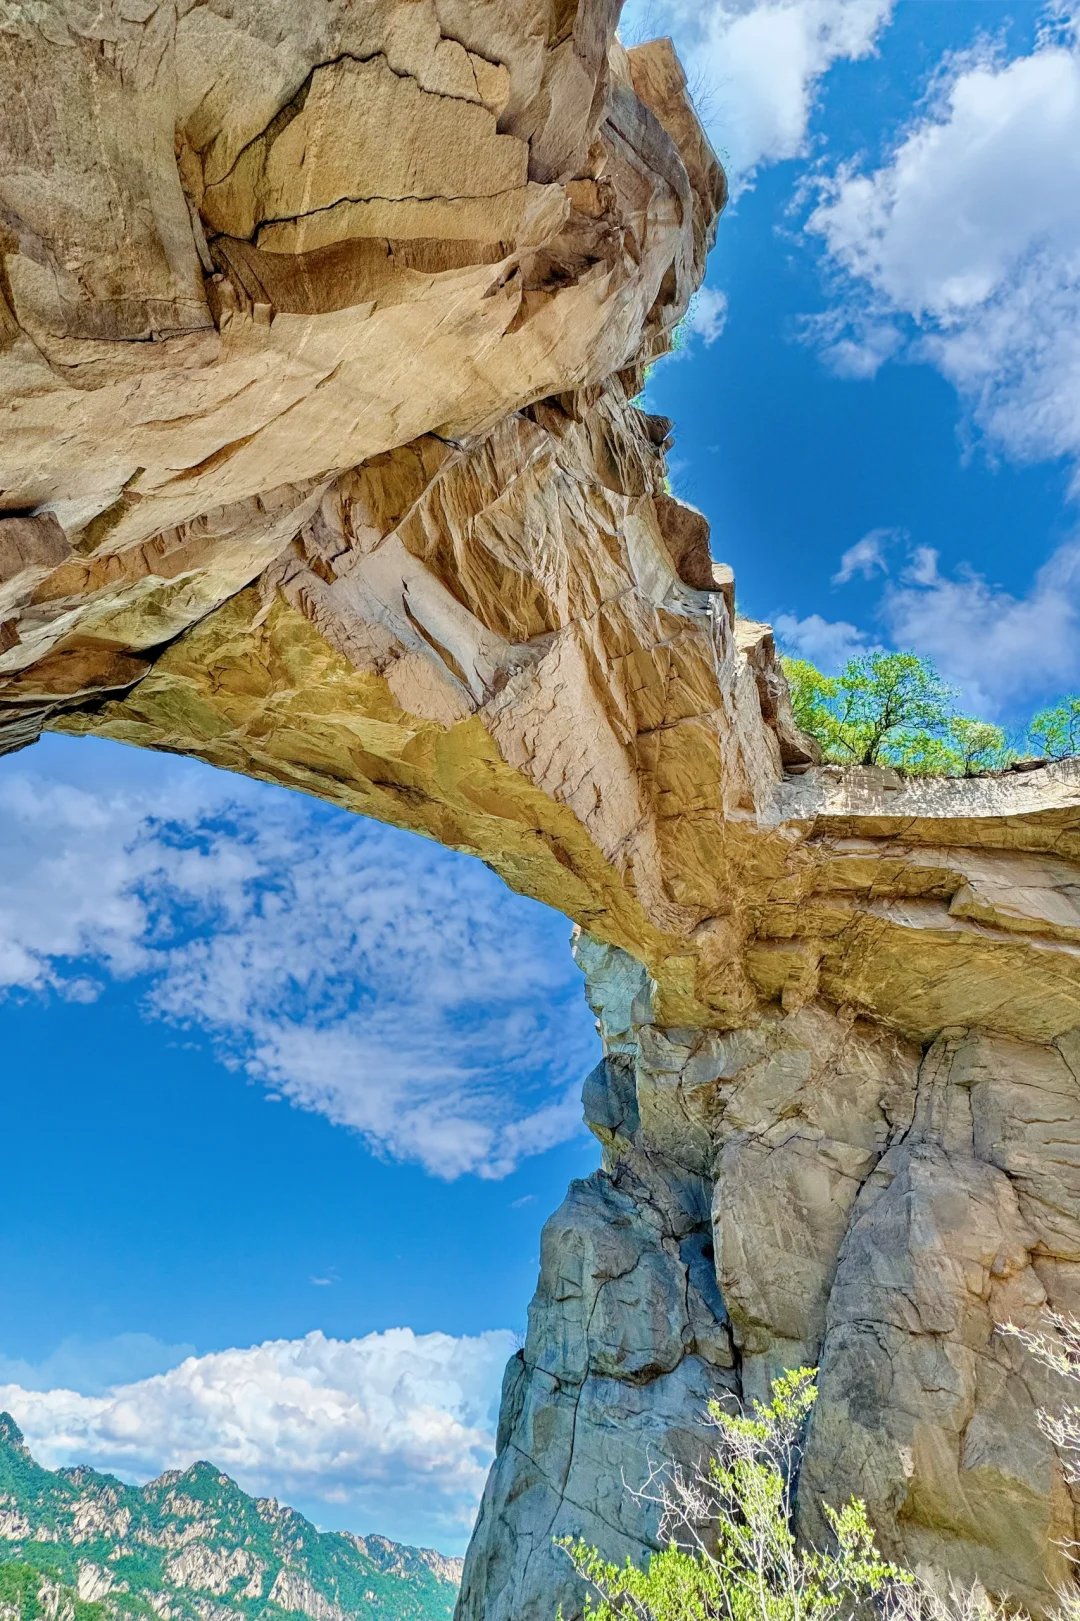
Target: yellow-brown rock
{"x":322,"y":329}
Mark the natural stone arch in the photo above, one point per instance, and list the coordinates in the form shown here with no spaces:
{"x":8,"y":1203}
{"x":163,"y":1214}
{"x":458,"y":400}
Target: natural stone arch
{"x":322,"y":331}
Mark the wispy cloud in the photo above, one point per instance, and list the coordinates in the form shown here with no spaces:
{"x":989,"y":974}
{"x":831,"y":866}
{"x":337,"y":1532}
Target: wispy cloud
{"x":963,"y":249}
{"x":1001,"y":651}
{"x":363,"y":973}
{"x":828,"y":643}
{"x":707,"y":315}
{"x":92,"y":1367}
{"x":394,"y":1431}
{"x":866,"y":557}
{"x":755,"y":65}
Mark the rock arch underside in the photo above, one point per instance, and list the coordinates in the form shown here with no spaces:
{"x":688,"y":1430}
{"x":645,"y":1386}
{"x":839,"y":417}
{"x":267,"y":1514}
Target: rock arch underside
{"x":322,"y":331}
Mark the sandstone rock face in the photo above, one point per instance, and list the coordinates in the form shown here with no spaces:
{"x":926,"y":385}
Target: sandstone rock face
{"x":628,"y":1342}
{"x":865,"y":1205}
{"x":322,"y":330}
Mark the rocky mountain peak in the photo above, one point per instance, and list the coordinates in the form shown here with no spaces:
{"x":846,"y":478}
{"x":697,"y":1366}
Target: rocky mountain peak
{"x":194,"y":1547}
{"x":11,"y":1435}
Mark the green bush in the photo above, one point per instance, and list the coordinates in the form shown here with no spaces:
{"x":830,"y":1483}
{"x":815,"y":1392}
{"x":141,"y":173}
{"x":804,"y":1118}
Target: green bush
{"x":965,"y":748}
{"x":728,"y":1546}
{"x":728,"y":1549}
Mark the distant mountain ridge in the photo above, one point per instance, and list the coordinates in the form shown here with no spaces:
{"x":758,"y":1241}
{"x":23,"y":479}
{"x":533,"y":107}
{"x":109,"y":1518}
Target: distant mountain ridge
{"x":76,"y":1545}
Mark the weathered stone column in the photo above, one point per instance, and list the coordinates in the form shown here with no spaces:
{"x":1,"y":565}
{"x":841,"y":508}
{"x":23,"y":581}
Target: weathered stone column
{"x":971,"y":1219}
{"x":627,"y":1342}
{"x":809,"y":1190}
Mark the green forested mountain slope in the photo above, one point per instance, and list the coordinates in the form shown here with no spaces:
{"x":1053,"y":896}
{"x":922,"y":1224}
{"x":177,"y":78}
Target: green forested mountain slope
{"x":76,"y":1545}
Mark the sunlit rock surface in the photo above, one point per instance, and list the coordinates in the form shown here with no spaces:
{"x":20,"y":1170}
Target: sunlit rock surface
{"x":322,"y":329}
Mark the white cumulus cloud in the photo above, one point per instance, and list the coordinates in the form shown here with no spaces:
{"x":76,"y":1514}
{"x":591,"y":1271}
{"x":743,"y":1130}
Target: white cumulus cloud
{"x":1000,"y":650}
{"x":357,"y":971}
{"x":963,"y":249}
{"x":1004,"y":653}
{"x":755,"y":65}
{"x":707,"y":315}
{"x":394,"y":1431}
{"x":828,"y":643}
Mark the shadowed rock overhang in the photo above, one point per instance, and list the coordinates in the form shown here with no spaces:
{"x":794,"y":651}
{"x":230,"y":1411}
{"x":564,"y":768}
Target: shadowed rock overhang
{"x":321,"y":332}
{"x":323,"y":329}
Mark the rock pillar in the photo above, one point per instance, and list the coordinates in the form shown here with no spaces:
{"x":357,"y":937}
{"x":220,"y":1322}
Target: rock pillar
{"x":814,"y":1189}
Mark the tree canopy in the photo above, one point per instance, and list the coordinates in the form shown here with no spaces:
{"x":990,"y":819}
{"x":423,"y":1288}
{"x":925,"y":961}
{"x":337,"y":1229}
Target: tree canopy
{"x":895,"y":709}
{"x":1056,"y":731}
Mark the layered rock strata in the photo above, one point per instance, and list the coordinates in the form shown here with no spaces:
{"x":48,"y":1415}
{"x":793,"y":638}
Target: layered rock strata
{"x":322,"y":334}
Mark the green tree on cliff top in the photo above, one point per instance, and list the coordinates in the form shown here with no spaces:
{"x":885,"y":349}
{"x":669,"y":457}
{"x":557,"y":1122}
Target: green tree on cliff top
{"x":895,"y":709}
{"x":1056,"y":732}
{"x":882,"y":708}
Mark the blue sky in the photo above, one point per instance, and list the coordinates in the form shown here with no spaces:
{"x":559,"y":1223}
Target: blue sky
{"x":272,"y":1072}
{"x":287,"y":1095}
{"x":930,"y":217}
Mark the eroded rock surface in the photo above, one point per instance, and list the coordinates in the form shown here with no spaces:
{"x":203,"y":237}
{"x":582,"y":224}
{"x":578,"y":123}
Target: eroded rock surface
{"x":322,"y":335}
{"x":864,"y":1205}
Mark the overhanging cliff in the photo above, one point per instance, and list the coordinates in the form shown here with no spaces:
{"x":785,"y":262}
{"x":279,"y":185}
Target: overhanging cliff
{"x":321,"y":331}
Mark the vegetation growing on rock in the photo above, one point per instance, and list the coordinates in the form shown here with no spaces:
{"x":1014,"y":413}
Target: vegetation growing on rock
{"x":894,"y":709}
{"x":729,"y":1547}
{"x":1056,"y":731}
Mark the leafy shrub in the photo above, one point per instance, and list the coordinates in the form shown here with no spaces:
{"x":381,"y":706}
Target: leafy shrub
{"x":965,"y":748}
{"x":728,"y":1548}
{"x":1056,"y":731}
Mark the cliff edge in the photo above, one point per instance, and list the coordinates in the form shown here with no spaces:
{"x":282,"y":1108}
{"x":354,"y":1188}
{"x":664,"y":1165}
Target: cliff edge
{"x":323,"y":329}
